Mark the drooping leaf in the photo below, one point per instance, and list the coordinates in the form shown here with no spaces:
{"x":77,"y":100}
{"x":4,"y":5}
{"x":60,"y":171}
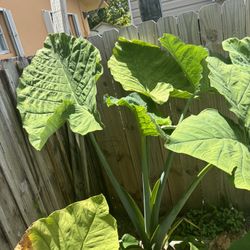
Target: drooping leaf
{"x":147,"y":121}
{"x":58,"y":86}
{"x":239,"y":50}
{"x":241,"y":244}
{"x":189,"y":57}
{"x":82,"y":225}
{"x":233,"y":82}
{"x":145,"y":68}
{"x":209,"y":137}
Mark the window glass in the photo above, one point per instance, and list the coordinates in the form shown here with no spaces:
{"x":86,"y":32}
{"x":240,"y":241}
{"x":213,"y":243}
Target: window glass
{"x":3,"y":44}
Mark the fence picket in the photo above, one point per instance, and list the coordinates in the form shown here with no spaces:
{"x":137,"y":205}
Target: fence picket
{"x":167,"y":24}
{"x":234,"y":19}
{"x":211,"y":28}
{"x":189,"y":28}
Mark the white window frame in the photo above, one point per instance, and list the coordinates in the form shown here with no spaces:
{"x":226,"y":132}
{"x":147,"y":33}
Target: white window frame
{"x":13,"y":32}
{"x":76,"y":24}
{"x":7,"y":51}
{"x":47,"y":15}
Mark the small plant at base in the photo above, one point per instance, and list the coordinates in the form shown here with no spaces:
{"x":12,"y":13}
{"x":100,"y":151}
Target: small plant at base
{"x":211,"y":221}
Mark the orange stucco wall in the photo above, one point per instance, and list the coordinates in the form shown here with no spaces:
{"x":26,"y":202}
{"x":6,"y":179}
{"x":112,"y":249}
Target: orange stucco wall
{"x":29,"y":21}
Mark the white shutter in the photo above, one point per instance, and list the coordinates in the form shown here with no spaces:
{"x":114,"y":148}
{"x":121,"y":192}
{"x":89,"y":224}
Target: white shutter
{"x":60,"y":17}
{"x":13,"y":32}
{"x":77,"y":25}
{"x":48,"y":21}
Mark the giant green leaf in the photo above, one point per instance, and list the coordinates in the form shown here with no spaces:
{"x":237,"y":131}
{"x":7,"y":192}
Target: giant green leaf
{"x":80,"y":226}
{"x":209,"y":137}
{"x":189,"y":57}
{"x":58,"y":86}
{"x":233,"y":82}
{"x":148,"y":122}
{"x":145,"y":68}
{"x":239,"y":50}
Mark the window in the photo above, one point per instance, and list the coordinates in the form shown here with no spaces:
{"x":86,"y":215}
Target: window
{"x":10,"y":44}
{"x":3,"y":44}
{"x":73,"y":23}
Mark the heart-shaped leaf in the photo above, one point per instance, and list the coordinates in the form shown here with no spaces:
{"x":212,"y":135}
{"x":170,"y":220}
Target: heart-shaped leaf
{"x":82,"y":225}
{"x":209,"y":137}
{"x":233,"y":82}
{"x":188,"y":56}
{"x":147,"y":69}
{"x":58,"y":86}
{"x":239,"y":50}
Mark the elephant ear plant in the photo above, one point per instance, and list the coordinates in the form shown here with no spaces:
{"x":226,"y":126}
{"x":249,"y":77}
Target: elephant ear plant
{"x":178,"y":70}
{"x":59,"y":86}
{"x":155,"y":74}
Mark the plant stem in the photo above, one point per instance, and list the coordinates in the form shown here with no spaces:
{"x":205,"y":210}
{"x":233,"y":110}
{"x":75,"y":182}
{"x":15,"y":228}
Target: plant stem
{"x":162,"y":230}
{"x":130,"y":206}
{"x":146,"y":183}
{"x":165,"y":173}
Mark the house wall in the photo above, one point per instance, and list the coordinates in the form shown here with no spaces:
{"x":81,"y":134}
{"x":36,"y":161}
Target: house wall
{"x":29,"y":21}
{"x":169,"y":7}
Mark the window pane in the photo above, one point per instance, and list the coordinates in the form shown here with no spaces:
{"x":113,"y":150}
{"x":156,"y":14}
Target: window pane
{"x":3,"y":45}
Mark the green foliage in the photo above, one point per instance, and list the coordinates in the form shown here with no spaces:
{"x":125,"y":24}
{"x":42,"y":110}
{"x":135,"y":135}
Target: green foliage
{"x":82,"y":225}
{"x":209,"y":137}
{"x":211,"y":221}
{"x":135,"y":67}
{"x":148,"y":122}
{"x":58,"y":86}
{"x":189,"y":58}
{"x":117,"y":13}
{"x":148,"y":70}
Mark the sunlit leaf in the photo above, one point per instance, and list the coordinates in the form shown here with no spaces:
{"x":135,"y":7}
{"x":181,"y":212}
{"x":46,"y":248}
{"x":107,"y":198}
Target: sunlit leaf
{"x":147,"y":69}
{"x":148,"y":122}
{"x":209,"y":137}
{"x":188,"y":56}
{"x":82,"y":225}
{"x":58,"y":86}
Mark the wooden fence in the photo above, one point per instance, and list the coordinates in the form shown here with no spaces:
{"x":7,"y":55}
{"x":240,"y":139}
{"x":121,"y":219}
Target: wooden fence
{"x":33,"y":184}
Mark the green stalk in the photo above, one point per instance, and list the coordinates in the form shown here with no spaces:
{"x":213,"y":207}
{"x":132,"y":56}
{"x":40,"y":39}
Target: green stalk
{"x":146,"y":183}
{"x":129,"y":204}
{"x":162,"y":230}
{"x":165,"y":174}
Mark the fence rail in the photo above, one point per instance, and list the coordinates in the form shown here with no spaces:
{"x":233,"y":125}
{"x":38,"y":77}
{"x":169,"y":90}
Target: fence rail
{"x":33,"y":184}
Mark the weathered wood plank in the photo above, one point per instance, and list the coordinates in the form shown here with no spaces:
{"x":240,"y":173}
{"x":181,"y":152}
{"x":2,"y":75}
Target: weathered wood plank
{"x":234,"y":19}
{"x":113,"y":138}
{"x":148,"y":32}
{"x":189,"y":28}
{"x":167,"y":25}
{"x":211,"y":28}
